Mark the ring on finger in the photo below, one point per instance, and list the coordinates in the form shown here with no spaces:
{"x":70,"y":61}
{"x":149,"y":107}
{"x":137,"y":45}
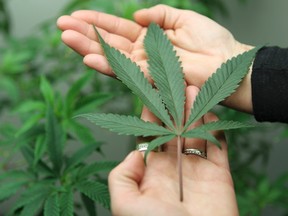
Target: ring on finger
{"x":193,"y":151}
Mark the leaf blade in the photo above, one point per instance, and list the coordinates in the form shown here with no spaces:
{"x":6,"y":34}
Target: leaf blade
{"x":220,"y":85}
{"x":96,"y":191}
{"x":131,"y":75}
{"x":54,"y":139}
{"x":158,"y":142}
{"x":166,"y":71}
{"x":201,"y":134}
{"x":128,"y":125}
{"x":66,"y":203}
{"x":224,"y":125}
{"x":51,"y":206}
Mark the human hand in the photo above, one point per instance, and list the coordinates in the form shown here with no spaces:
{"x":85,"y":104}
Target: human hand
{"x":137,"y":189}
{"x":202,"y":44}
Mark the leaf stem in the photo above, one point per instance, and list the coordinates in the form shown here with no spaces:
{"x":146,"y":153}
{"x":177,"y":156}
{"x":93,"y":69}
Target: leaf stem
{"x":179,"y":163}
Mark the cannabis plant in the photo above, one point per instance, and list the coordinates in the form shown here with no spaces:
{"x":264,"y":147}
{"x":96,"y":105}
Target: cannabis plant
{"x":167,"y":100}
{"x":42,"y":176}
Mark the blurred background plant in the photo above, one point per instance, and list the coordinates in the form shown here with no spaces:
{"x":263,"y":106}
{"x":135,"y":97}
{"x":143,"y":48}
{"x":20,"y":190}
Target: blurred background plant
{"x":48,"y":160}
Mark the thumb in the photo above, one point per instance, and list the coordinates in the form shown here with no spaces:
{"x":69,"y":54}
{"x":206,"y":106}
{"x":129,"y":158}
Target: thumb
{"x":124,"y":180}
{"x":163,"y":15}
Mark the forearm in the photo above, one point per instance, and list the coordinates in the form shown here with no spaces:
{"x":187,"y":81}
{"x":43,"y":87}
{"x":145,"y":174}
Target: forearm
{"x":241,"y":99}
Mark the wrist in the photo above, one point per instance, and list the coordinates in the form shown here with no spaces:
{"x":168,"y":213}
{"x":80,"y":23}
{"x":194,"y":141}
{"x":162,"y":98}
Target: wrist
{"x":241,"y":99}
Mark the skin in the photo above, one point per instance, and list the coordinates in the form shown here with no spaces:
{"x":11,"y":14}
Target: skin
{"x":201,"y":44}
{"x":137,"y":189}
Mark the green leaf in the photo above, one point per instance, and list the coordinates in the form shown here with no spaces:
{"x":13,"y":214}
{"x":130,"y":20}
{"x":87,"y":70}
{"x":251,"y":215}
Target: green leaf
{"x":91,"y":102}
{"x":39,"y":149}
{"x":15,"y":62}
{"x":95,"y":191}
{"x":89,"y":204}
{"x":35,"y":192}
{"x":10,"y":87}
{"x":54,"y":139}
{"x":8,"y":189}
{"x":80,"y":155}
{"x":51,"y":207}
{"x":46,"y":90}
{"x":28,"y":106}
{"x":15,"y":174}
{"x":82,"y":133}
{"x":41,"y":167}
{"x":66,"y":203}
{"x":158,"y":142}
{"x":97,"y":167}
{"x":221,"y":84}
{"x":128,"y":125}
{"x":29,"y":123}
{"x":73,"y":93}
{"x":32,"y":208}
{"x":201,"y":134}
{"x":131,"y":75}
{"x":166,"y":71}
{"x":223,"y":125}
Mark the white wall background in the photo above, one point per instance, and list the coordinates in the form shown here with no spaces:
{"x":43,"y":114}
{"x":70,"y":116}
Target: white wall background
{"x":257,"y":22}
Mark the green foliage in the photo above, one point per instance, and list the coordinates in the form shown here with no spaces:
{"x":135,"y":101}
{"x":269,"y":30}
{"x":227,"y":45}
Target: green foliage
{"x":166,"y":71}
{"x":51,"y":177}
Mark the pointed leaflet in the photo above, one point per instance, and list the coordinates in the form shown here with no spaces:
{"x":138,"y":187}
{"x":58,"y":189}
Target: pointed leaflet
{"x":95,"y":168}
{"x":221,"y":84}
{"x":202,"y":131}
{"x":33,"y":208}
{"x":158,"y":142}
{"x":95,"y":191}
{"x":8,"y":189}
{"x":128,"y":125}
{"x":52,"y":207}
{"x":89,"y":204}
{"x":80,"y":155}
{"x":35,"y":192}
{"x":54,"y":139}
{"x":201,"y":134}
{"x":166,"y":71}
{"x":131,"y":75}
{"x":223,"y":125}
{"x":66,"y":203}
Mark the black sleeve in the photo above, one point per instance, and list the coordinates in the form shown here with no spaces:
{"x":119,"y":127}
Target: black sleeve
{"x":270,"y":85}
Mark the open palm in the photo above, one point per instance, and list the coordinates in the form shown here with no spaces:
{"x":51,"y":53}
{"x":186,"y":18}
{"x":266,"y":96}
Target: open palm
{"x":137,"y":189}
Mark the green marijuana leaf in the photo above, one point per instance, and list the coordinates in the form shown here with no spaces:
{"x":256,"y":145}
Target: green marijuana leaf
{"x":168,"y":98}
{"x":166,"y":71}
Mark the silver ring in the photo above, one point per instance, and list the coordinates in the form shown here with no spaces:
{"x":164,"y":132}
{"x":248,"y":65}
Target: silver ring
{"x":142,"y":146}
{"x":192,"y":151}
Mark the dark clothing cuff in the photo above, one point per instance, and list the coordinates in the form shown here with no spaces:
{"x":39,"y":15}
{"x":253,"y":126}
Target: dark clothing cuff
{"x":270,"y":85}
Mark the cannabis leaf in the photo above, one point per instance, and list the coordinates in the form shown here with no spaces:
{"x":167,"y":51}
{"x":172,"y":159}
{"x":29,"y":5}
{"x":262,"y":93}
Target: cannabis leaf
{"x":168,"y":98}
{"x":166,"y":71}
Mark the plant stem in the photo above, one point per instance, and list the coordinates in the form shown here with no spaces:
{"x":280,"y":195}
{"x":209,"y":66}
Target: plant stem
{"x":179,"y":163}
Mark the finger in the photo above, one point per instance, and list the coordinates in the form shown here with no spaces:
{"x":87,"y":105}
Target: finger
{"x":148,"y":116}
{"x":214,"y":153}
{"x":163,"y":15}
{"x":193,"y":143}
{"x":110,"y":23}
{"x":100,"y":63}
{"x":80,"y":43}
{"x":124,"y":181}
{"x":86,"y":43}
